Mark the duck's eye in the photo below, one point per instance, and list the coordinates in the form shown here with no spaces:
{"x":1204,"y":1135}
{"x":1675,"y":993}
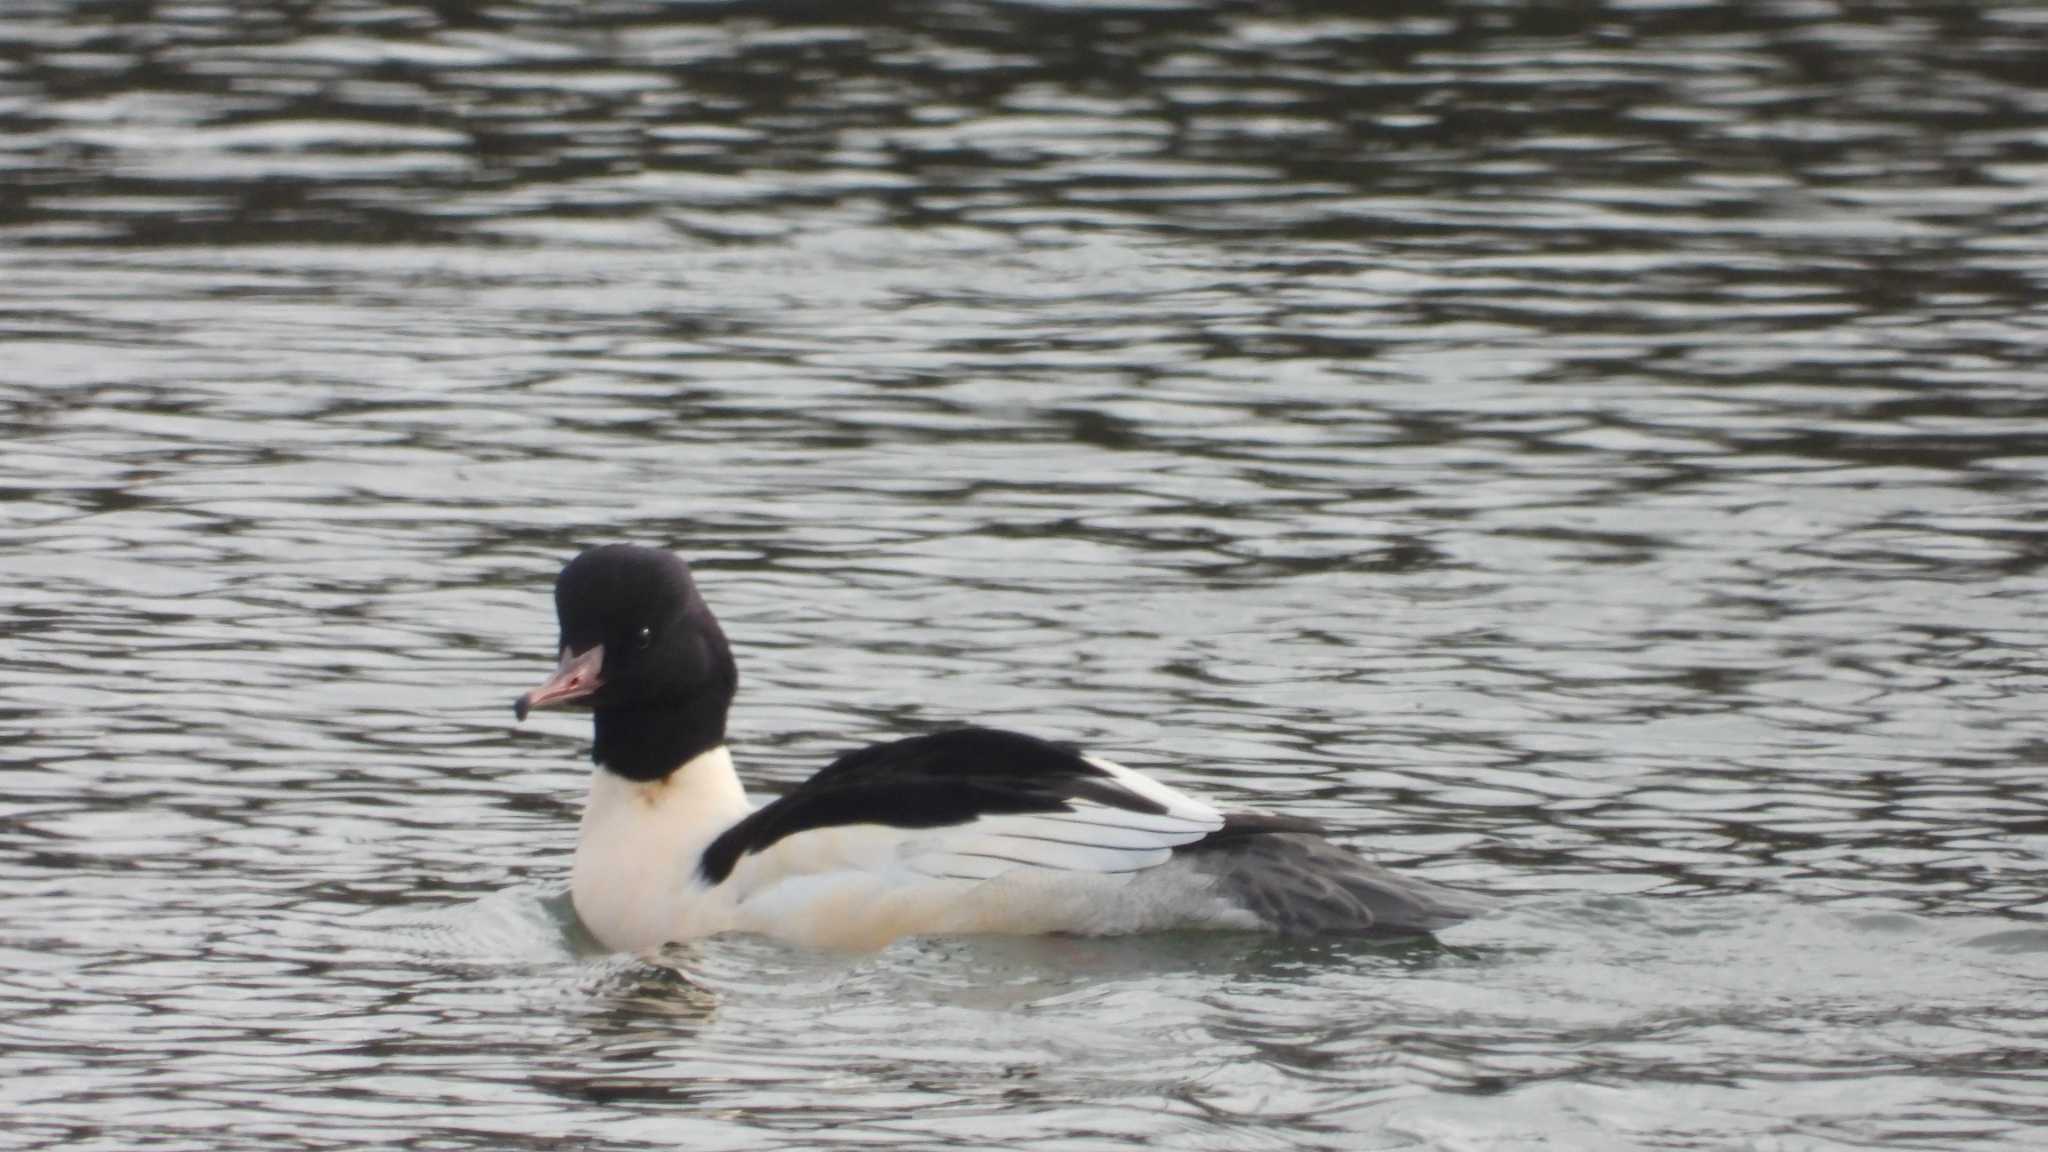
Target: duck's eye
{"x":643,"y":639}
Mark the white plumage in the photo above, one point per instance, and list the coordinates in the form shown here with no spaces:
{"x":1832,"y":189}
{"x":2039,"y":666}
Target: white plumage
{"x":636,"y":882}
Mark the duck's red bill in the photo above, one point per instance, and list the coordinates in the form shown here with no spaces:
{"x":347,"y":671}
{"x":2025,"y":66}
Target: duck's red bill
{"x":575,"y":677}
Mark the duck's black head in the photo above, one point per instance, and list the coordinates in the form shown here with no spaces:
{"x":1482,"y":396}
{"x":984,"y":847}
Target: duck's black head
{"x":640,"y":649}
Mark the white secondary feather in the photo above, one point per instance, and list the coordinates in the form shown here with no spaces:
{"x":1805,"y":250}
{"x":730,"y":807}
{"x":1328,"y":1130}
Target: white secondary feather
{"x":1091,"y":838}
{"x":1093,"y":826}
{"x":1176,"y":803}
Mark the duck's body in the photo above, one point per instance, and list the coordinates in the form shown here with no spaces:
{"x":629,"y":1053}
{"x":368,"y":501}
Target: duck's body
{"x":639,"y":877}
{"x":967,"y":831}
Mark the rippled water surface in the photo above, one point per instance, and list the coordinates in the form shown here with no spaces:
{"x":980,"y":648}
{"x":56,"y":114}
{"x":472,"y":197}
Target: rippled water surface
{"x":1590,"y":453}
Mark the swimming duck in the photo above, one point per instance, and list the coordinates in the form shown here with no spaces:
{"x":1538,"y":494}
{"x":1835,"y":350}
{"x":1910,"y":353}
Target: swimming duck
{"x":972,"y":830}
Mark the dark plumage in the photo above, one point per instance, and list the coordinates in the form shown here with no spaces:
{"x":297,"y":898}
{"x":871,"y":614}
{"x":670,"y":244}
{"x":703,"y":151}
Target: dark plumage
{"x":932,"y":781}
{"x":1301,"y":883}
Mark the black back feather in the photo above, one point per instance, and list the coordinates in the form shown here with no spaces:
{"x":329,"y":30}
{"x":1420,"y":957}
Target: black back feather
{"x":934,"y":781}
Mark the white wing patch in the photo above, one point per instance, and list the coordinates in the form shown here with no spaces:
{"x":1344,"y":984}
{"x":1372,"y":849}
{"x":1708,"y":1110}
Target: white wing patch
{"x":1093,"y":837}
{"x":1176,"y":803}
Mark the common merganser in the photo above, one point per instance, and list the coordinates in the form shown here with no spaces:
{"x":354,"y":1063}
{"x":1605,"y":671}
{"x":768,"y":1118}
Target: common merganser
{"x":972,"y":830}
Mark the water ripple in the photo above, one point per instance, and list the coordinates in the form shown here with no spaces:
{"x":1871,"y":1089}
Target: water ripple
{"x":1588,"y":456}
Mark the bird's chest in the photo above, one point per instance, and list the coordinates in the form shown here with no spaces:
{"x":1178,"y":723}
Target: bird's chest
{"x":634,"y":881}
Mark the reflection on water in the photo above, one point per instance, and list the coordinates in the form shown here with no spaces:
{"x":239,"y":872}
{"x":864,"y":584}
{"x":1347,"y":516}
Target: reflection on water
{"x":1590,"y":454}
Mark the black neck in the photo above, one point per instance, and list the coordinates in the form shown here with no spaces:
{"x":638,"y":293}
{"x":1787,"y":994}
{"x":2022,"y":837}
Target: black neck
{"x":647,"y":743}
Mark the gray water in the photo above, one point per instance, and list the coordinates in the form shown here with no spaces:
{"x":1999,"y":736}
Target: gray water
{"x":1590,"y":454}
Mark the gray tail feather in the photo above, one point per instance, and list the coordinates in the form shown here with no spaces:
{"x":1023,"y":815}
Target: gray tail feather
{"x":1301,"y":884}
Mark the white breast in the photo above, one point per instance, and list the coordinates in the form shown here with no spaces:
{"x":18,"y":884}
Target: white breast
{"x":635,"y":882}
